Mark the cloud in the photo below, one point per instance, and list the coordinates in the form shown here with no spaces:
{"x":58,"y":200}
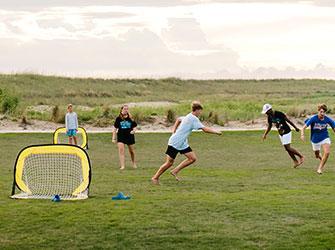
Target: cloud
{"x":208,"y":40}
{"x":185,"y":34}
{"x":42,"y":4}
{"x":139,"y":53}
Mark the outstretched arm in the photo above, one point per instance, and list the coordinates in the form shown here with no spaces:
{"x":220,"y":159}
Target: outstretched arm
{"x":211,"y":131}
{"x":267,"y":131}
{"x":302,"y":135}
{"x":176,"y":125}
{"x":292,"y":124}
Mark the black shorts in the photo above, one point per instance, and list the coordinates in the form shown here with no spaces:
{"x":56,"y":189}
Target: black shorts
{"x":172,"y":152}
{"x":128,"y":140}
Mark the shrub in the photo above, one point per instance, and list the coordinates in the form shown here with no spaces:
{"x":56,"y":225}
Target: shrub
{"x":8,"y":102}
{"x":171,"y":116}
{"x":55,"y":113}
{"x":137,"y":116}
{"x":106,"y":113}
{"x":213,"y":117}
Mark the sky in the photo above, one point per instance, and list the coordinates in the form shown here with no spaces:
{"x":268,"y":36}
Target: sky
{"x":229,"y":39}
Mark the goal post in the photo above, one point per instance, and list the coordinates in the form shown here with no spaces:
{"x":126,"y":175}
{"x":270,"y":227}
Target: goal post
{"x":42,"y":171}
{"x":60,"y":137}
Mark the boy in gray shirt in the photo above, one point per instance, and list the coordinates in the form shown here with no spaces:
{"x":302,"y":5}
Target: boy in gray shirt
{"x":178,"y":142}
{"x":71,"y":124}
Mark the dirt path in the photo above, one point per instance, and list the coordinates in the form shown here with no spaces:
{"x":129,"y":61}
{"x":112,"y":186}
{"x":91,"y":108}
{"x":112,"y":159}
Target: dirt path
{"x":36,"y":126}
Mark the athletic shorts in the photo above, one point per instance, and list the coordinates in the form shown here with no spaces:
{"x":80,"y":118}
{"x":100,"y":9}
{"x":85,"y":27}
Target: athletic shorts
{"x":172,"y":152}
{"x":126,"y":139}
{"x":317,"y":146}
{"x":286,"y":139}
{"x":71,"y":132}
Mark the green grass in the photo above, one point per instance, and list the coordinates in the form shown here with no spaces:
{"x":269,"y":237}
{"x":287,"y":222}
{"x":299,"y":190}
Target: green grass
{"x":241,"y":194}
{"x":230,"y":99}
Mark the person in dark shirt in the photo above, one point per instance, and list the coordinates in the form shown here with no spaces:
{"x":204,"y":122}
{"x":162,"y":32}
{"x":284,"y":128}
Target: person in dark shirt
{"x":280,"y":120}
{"x":123,"y":134}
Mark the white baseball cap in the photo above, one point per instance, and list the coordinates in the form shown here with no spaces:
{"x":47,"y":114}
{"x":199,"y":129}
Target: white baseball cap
{"x":266,"y":108}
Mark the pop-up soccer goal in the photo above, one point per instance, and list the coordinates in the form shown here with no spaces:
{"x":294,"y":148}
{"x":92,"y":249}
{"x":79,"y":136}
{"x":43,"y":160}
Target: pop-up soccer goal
{"x":60,"y":137}
{"x":43,"y":171}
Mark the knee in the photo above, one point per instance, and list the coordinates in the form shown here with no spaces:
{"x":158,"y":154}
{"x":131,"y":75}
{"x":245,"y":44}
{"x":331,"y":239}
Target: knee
{"x":326,"y":153}
{"x":170,"y":162}
{"x":193,"y":159}
{"x":132,"y":151}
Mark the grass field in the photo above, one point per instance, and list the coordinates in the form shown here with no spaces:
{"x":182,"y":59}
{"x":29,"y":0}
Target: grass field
{"x":228,"y":100}
{"x":241,"y":194}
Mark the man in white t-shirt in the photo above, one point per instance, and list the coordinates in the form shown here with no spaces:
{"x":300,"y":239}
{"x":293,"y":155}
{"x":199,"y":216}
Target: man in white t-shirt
{"x":178,"y":142}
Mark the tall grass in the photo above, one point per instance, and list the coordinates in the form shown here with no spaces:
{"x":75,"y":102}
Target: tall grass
{"x":224,"y":100}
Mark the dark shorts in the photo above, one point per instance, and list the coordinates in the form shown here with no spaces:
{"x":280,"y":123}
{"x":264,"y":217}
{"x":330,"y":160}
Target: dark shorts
{"x":129,"y":140}
{"x":172,"y":152}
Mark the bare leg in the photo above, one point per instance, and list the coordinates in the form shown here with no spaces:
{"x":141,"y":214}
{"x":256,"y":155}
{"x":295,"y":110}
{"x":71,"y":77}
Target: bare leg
{"x":317,"y":155}
{"x":191,"y":158}
{"x":325,"y":155}
{"x":75,"y":140}
{"x":167,"y":164}
{"x":120,"y":146}
{"x":70,"y":140}
{"x":291,"y":154}
{"x":131,"y":149}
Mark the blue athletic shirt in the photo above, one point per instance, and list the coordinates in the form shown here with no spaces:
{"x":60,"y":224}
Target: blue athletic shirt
{"x":319,"y":128}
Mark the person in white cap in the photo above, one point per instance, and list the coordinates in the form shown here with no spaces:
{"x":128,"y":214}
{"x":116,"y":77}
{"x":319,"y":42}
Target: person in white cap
{"x":280,"y":120}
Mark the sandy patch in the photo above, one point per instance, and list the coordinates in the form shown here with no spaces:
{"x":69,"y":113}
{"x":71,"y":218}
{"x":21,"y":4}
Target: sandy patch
{"x":157,"y":124}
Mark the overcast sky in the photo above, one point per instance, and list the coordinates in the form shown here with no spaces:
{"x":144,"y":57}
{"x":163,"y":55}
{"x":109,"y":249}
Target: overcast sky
{"x":182,"y":38}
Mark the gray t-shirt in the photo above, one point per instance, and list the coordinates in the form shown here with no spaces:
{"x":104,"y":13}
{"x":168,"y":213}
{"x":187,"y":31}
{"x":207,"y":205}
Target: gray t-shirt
{"x":188,"y":123}
{"x":71,"y":121}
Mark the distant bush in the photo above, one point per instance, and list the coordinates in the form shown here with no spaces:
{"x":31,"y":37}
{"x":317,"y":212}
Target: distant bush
{"x":8,"y":102}
{"x":57,"y":116}
{"x":103,"y":122}
{"x":55,"y":113}
{"x":171,"y":116}
{"x":297,"y":112}
{"x":137,"y":116}
{"x":106,"y":112}
{"x":213,"y":117}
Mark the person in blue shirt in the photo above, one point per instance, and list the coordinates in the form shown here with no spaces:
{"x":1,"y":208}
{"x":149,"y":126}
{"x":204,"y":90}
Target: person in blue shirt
{"x":319,"y":135}
{"x":178,"y":142}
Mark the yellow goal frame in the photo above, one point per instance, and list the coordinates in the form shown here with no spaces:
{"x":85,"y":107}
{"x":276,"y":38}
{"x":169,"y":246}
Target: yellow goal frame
{"x":63,"y":130}
{"x":52,"y":149}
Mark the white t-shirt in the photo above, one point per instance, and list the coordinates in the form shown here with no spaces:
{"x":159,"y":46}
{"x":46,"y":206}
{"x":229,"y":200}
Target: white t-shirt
{"x":188,"y":123}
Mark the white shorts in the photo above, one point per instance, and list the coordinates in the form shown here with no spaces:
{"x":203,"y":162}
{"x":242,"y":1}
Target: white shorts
{"x":286,"y":139}
{"x":317,"y":146}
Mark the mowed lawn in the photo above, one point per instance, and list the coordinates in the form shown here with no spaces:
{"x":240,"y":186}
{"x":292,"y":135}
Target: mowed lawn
{"x":241,"y":194}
